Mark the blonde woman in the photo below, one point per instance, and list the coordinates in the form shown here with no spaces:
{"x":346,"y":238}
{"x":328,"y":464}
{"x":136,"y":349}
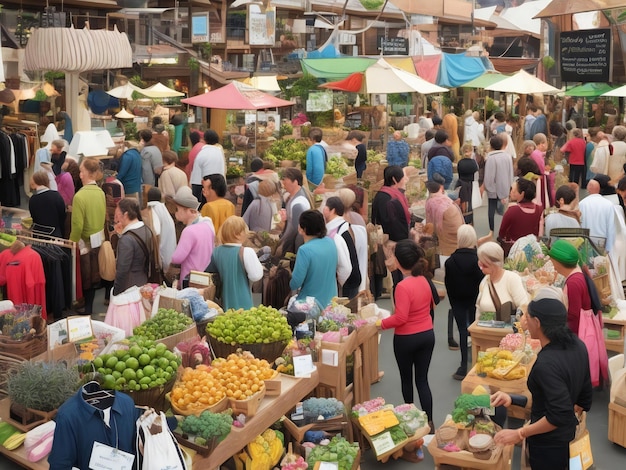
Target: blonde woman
{"x":237,"y":266}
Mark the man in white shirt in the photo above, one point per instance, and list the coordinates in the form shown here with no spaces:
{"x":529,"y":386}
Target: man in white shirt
{"x":351,"y":243}
{"x":210,"y":160}
{"x":598,"y":215}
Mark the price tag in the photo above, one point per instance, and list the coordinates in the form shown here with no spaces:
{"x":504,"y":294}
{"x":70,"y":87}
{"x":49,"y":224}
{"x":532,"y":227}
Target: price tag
{"x":302,"y":365}
{"x":328,"y":466}
{"x":79,"y":327}
{"x":104,"y":457}
{"x":383,"y":443}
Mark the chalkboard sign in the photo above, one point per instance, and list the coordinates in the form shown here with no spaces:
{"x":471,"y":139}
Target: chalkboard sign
{"x":393,"y":46}
{"x":586,"y":55}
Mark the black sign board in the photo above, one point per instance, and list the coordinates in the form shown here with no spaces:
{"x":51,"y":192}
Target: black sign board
{"x":393,"y":46}
{"x":586,"y":55}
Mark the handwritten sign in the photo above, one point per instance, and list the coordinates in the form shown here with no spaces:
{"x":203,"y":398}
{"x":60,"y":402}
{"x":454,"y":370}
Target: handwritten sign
{"x":383,"y":443}
{"x":393,"y":46}
{"x":586,"y":55}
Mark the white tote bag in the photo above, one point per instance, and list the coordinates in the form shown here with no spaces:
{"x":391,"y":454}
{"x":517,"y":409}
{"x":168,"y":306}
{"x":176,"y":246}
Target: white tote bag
{"x":477,"y":199}
{"x":157,"y":448}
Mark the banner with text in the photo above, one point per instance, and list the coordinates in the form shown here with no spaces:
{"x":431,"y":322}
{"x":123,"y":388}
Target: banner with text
{"x":586,"y":55}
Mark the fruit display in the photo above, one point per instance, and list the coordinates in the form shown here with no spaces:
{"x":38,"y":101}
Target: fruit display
{"x":242,"y":375}
{"x":166,"y":322}
{"x":337,"y":167}
{"x":196,"y":390}
{"x":263,"y":453}
{"x":258,"y":325}
{"x":141,"y":366}
{"x":338,"y":450}
{"x":500,"y":364}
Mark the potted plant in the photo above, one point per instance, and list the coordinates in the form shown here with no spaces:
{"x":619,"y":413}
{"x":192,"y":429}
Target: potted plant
{"x":37,"y":389}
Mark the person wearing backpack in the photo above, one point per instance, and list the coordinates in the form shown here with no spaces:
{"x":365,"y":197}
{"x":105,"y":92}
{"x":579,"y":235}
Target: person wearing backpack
{"x":351,"y":243}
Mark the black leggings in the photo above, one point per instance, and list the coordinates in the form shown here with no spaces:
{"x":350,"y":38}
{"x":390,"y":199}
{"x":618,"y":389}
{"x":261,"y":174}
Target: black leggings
{"x":415,"y":352}
{"x":577,"y":174}
{"x":548,"y":456}
{"x":464,"y":314}
{"x":491,"y":212}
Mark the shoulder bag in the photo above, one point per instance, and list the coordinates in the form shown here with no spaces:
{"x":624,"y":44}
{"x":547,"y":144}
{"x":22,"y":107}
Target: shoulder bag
{"x":503,"y":310}
{"x":155,"y":271}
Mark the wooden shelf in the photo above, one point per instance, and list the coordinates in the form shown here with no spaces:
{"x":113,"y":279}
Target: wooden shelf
{"x":397,"y":451}
{"x":616,"y":345}
{"x":19,"y":455}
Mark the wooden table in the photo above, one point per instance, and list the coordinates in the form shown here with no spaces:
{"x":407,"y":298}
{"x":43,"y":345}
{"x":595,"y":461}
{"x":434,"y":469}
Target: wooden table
{"x":270,"y":410}
{"x":411,"y":443}
{"x":466,"y":460}
{"x":484,"y":337}
{"x":19,"y":455}
{"x":517,"y":387}
{"x":616,"y":345}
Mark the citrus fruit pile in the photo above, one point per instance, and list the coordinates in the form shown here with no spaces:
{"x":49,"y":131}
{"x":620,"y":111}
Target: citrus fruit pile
{"x":242,"y":375}
{"x":143,"y":365}
{"x":197,"y":390}
{"x":166,"y":322}
{"x":258,"y":325}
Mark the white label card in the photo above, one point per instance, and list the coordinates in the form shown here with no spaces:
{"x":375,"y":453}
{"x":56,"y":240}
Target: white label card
{"x":330,"y":357}
{"x":302,"y":365}
{"x":104,"y":457}
{"x":96,"y":239}
{"x":329,"y":466}
{"x":383,"y":443}
{"x":79,"y":327}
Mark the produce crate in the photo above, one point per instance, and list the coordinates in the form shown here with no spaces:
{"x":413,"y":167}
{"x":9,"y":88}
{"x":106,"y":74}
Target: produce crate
{"x":205,"y":451}
{"x":172,"y":340}
{"x":615,"y":344}
{"x":30,"y":347}
{"x":170,"y":302}
{"x":339,"y":425}
{"x":26,"y":419}
{"x":356,"y":464}
{"x":217,"y":408}
{"x":617,"y":424}
{"x":268,"y":351}
{"x":499,"y":460}
{"x":247,"y":407}
{"x":273,"y":386}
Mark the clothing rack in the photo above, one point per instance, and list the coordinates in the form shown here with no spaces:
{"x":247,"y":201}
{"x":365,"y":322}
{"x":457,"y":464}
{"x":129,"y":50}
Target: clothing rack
{"x":43,"y":239}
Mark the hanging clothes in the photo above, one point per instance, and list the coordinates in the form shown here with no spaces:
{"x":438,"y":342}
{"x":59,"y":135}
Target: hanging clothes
{"x":9,"y":184}
{"x":24,"y":276}
{"x":58,"y":272}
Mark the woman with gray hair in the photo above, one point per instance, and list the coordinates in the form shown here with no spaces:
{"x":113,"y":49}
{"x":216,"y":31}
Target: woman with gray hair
{"x":498,"y":286}
{"x":560,"y":385}
{"x":462,"y":278}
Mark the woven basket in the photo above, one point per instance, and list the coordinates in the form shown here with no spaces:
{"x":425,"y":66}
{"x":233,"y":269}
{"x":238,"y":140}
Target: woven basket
{"x":7,"y":362}
{"x":268,"y":351}
{"x":152,"y":397}
{"x":31,"y":345}
{"x":217,"y":408}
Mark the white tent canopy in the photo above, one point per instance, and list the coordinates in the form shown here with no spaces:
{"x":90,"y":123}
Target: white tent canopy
{"x":621,"y":92}
{"x":125,"y":91}
{"x":522,"y":83}
{"x":382,"y":77}
{"x":160,"y":91}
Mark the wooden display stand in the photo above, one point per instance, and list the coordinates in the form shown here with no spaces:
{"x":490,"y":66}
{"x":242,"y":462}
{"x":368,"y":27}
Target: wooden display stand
{"x":484,"y":338}
{"x":332,"y":378}
{"x":617,"y":424}
{"x":18,"y":455}
{"x":466,"y":460}
{"x":270,"y":411}
{"x":411,"y":444}
{"x":616,"y":345}
{"x":517,"y":387}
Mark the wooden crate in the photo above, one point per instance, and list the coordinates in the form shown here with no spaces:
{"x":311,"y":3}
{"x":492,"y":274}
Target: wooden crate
{"x":172,"y":340}
{"x":466,"y":460}
{"x":615,"y":345}
{"x":484,"y":338}
{"x":248,"y":407}
{"x":332,"y":378}
{"x":617,"y":424}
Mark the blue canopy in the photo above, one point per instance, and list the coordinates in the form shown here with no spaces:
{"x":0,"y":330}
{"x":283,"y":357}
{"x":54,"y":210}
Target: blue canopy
{"x":457,"y":69}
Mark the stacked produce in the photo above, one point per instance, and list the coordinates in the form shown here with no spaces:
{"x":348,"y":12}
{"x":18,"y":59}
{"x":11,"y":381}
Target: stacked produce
{"x":411,"y":419}
{"x":337,"y":167}
{"x":255,"y":326}
{"x":337,"y":321}
{"x":321,"y":408}
{"x":166,"y":322}
{"x":263,"y":453}
{"x":468,"y":406}
{"x":300,"y":347}
{"x":287,"y":149}
{"x":369,"y":406}
{"x":500,"y":364}
{"x":143,"y":365}
{"x":337,"y":450}
{"x":197,"y":390}
{"x":242,"y":375}
{"x":205,"y":427}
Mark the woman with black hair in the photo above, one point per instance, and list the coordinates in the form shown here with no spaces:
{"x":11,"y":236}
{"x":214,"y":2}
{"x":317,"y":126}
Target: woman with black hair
{"x":560,"y":385}
{"x":414,"y":337}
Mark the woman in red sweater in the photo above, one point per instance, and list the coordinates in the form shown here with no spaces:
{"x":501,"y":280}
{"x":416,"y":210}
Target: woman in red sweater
{"x":525,"y":217}
{"x":414,"y":338}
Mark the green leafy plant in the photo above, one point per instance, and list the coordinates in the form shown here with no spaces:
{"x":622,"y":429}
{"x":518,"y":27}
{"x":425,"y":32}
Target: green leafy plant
{"x":287,"y":149}
{"x":193,"y":63}
{"x":205,"y":49}
{"x":42,"y":386}
{"x":51,"y":76}
{"x":40,"y":96}
{"x":302,"y":87}
{"x":130,"y":131}
{"x":548,"y":62}
{"x":285,"y":129}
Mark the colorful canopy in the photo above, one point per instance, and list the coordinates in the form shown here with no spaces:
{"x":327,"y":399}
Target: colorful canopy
{"x":236,"y":95}
{"x":354,"y":83}
{"x":486,"y":79}
{"x":589,"y":90}
{"x":382,"y":77}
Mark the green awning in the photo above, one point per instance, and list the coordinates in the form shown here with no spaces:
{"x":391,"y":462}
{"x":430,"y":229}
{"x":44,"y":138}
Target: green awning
{"x":486,"y":79}
{"x":589,"y":90}
{"x":336,"y":69}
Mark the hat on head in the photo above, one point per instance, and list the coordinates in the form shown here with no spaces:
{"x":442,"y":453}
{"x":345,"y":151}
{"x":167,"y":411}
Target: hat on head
{"x":184,"y":197}
{"x":564,"y":252}
{"x":549,"y":311}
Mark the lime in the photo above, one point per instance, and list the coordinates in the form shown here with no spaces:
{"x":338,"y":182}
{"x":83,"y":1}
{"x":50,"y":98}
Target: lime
{"x":102,"y":370}
{"x":109,"y":382}
{"x":148,"y":371}
{"x":144,"y":359}
{"x":144,"y":386}
{"x":131,"y":384}
{"x":132,"y":363}
{"x":145,"y":381}
{"x":111,"y":362}
{"x":120,"y":381}
{"x":98,"y":362}
{"x":129,"y":374}
{"x":163,"y":363}
{"x":139,"y":374}
{"x":120,"y":353}
{"x":161,"y":348}
{"x":116,"y":374}
{"x":135,"y":351}
{"x":152,"y":352}
{"x":120,"y":366}
{"x":174,"y":365}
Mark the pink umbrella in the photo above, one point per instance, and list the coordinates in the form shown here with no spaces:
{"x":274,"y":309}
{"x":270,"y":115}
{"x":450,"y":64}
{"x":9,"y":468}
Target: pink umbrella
{"x":236,"y":95}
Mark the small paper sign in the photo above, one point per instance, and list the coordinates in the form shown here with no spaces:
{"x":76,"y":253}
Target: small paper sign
{"x":329,"y":466}
{"x":330,"y":357}
{"x":78,"y":328}
{"x":383,"y":443}
{"x":303,"y":365}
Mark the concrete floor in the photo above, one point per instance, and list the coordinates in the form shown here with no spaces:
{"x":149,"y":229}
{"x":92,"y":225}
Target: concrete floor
{"x":445,"y":389}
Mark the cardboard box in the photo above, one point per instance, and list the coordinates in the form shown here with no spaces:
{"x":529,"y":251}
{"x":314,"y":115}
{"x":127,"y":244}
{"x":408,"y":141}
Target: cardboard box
{"x":617,"y":424}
